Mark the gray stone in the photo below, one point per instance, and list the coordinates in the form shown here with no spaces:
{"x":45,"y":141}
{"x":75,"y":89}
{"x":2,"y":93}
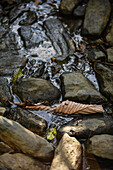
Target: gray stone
{"x":4,"y":90}
{"x":3,"y":31}
{"x":96,"y":54}
{"x":9,"y":62}
{"x":36,"y":90}
{"x":105,"y":79}
{"x":79,"y":11}
{"x":22,"y":140}
{"x":76,"y":87}
{"x":30,"y":36}
{"x":109,"y":37}
{"x":68,"y":154}
{"x":62,"y":43}
{"x":4,"y":148}
{"x":88,"y":126}
{"x":2,"y":111}
{"x":101,"y":146}
{"x":19,"y":161}
{"x":10,"y":59}
{"x":67,"y":6}
{"x":96,"y":17}
{"x":29,"y":120}
{"x":110,"y":54}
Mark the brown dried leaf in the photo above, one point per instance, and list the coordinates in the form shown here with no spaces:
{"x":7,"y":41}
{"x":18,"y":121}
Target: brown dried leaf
{"x":66,"y":107}
{"x":69,"y":107}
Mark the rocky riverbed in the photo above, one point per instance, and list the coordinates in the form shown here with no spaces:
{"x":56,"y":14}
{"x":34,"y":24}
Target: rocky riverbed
{"x":52,"y":51}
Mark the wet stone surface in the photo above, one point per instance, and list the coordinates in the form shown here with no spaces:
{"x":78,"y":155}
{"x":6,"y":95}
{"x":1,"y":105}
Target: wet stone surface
{"x":76,"y":87}
{"x":48,"y":47}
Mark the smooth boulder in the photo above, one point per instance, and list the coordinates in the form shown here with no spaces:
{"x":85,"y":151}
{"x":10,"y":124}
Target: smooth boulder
{"x":29,"y":120}
{"x":36,"y":90}
{"x":78,"y":88}
{"x":67,"y":6}
{"x":68,"y":154}
{"x":22,"y":140}
{"x":101,"y":146}
{"x":105,"y":79}
{"x":61,"y":40}
{"x":96,"y":17}
{"x":19,"y":161}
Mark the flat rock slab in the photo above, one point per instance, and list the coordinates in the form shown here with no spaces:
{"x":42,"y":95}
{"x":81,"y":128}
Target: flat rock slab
{"x":96,"y":54}
{"x":67,"y":6}
{"x":9,"y":62}
{"x":105,"y":79}
{"x":36,"y":90}
{"x":101,"y":146}
{"x":62,"y":43}
{"x":68,"y":154}
{"x":29,"y":120}
{"x":22,"y":140}
{"x":96,"y":17}
{"x":4,"y":90}
{"x":76,"y":87}
{"x":19,"y":161}
{"x":88,"y":126}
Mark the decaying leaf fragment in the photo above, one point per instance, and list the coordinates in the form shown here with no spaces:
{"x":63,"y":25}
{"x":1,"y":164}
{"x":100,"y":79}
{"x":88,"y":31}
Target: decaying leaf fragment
{"x":66,"y":107}
{"x":69,"y":107}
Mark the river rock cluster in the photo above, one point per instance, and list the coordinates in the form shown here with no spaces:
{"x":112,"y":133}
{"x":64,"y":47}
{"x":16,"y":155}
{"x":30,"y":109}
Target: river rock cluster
{"x":52,"y":51}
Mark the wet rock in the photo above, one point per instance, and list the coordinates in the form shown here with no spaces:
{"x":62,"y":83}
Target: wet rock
{"x":25,"y":141}
{"x":2,"y":111}
{"x":68,"y":154}
{"x":29,"y":18}
{"x":4,"y":148}
{"x":76,"y":87}
{"x":17,"y":11}
{"x":101,"y":146}
{"x":4,"y":90}
{"x":10,"y":43}
{"x":62,"y":43}
{"x":30,"y":36}
{"x":19,"y":161}
{"x":96,"y":17}
{"x":3,"y":30}
{"x":96,"y":54}
{"x":105,"y":80}
{"x":10,"y":61}
{"x":36,"y":90}
{"x":79,"y":11}
{"x":88,"y":126}
{"x":67,"y":6}
{"x":28,"y":119}
{"x":110,"y":54}
{"x":109,"y":36}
